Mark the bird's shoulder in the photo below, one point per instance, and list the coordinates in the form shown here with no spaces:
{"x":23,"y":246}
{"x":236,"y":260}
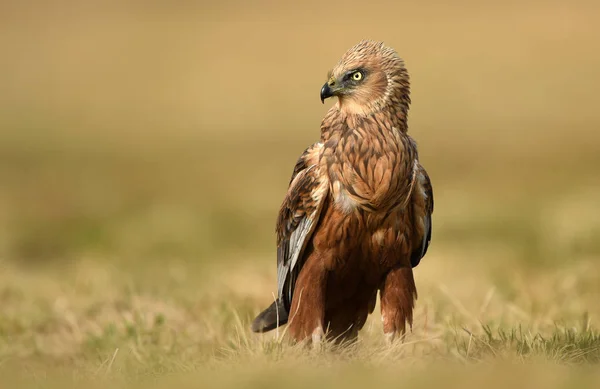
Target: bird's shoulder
{"x":310,"y":157}
{"x":424,"y":186}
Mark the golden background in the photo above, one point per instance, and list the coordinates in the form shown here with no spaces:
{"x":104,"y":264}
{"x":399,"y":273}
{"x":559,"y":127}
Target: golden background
{"x":145,"y":148}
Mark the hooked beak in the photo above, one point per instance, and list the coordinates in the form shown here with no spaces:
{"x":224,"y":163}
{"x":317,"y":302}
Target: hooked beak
{"x":326,"y":92}
{"x":331,"y":88}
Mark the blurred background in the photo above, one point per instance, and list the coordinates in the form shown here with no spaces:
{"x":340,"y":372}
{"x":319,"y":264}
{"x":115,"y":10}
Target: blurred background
{"x":145,"y":148}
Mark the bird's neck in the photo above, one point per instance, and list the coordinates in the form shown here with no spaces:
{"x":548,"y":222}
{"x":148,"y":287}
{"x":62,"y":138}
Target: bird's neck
{"x":343,"y":118}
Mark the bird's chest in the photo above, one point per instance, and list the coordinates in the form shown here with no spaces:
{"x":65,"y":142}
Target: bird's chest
{"x":368,"y":174}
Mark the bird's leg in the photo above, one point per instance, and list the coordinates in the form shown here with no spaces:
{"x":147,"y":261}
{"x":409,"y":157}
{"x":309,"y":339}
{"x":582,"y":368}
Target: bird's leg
{"x":317,"y":337}
{"x":398,"y":294}
{"x":390,"y":337}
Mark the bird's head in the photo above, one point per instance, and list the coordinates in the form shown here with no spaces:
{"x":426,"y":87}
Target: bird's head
{"x":368,"y":77}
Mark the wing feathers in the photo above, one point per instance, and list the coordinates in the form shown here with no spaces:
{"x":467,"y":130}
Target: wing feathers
{"x":298,"y":217}
{"x":422,"y":199}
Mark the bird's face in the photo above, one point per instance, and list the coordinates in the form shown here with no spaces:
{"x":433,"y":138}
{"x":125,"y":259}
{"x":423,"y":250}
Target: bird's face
{"x":363,"y":78}
{"x":357,"y":84}
{"x":345,"y":82}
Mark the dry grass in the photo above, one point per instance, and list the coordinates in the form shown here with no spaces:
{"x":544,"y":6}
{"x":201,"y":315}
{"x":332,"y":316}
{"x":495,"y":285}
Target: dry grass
{"x":144,"y":152}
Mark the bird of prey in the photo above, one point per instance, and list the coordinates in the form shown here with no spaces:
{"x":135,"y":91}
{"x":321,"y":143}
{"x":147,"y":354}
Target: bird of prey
{"x":356,"y":218}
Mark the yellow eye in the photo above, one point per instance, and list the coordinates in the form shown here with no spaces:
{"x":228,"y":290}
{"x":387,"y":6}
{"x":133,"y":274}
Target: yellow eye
{"x":357,"y":76}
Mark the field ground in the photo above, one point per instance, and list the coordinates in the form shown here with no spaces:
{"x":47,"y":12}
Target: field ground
{"x":144,"y":154}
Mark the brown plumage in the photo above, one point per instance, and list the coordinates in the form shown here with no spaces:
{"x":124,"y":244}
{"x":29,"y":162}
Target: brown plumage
{"x":357,"y":216}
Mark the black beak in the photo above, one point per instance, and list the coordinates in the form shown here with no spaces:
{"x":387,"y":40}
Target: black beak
{"x":325,"y":92}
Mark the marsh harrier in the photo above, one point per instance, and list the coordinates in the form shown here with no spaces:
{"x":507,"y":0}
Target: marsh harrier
{"x":357,"y":215}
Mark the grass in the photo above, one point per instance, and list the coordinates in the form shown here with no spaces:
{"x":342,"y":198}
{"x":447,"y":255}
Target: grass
{"x":128,"y":323}
{"x":144,"y":153}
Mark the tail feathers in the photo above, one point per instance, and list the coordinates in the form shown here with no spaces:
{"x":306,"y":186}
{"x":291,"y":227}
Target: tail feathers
{"x":269,"y":319}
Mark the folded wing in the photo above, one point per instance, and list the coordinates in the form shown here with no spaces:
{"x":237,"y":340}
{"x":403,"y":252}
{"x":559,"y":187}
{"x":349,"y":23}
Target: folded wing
{"x":298,"y":218}
{"x":422,"y":202}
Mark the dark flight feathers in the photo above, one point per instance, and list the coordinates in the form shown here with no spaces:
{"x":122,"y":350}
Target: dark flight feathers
{"x":269,"y":319}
